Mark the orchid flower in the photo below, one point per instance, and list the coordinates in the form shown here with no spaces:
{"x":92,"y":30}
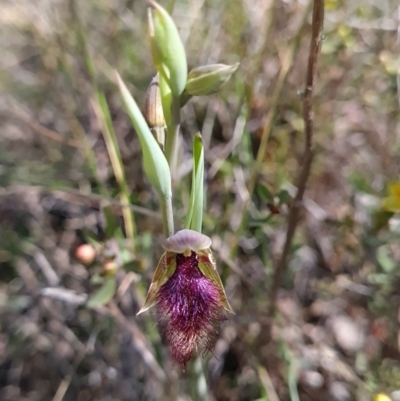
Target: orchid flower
{"x":189,"y":294}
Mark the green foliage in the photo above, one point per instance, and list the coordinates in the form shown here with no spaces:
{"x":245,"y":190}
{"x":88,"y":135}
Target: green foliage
{"x":104,"y":294}
{"x":194,"y":214}
{"x":168,"y":52}
{"x":154,"y":161}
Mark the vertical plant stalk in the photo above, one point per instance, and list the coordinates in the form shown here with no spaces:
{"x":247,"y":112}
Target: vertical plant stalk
{"x":198,"y":388}
{"x":304,"y":173}
{"x":167,"y":216}
{"x":173,"y":134}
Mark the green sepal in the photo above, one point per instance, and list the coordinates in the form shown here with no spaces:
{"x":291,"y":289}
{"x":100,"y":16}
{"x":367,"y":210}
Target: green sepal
{"x":165,"y":269}
{"x":208,"y":267}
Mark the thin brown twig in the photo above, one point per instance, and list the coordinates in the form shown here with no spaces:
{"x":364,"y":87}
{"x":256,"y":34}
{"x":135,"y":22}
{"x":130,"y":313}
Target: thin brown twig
{"x":308,"y":117}
{"x":287,"y":59}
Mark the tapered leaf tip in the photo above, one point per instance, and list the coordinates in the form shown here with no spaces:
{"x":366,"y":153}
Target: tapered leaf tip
{"x":118,"y":79}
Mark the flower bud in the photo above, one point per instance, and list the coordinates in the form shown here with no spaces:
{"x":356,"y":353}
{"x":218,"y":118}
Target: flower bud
{"x":189,"y":294}
{"x":168,"y":53}
{"x":208,"y":79}
{"x":153,"y":112}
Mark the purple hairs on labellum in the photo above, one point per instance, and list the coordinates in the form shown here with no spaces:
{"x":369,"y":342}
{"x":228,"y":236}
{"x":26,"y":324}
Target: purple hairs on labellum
{"x":189,"y":304}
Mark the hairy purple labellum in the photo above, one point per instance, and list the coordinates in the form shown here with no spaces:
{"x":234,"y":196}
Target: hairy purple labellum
{"x":190,"y":305}
{"x":190,"y":297}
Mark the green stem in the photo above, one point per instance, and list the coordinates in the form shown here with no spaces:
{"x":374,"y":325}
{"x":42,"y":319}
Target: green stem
{"x":167,"y":216}
{"x":173,"y":133}
{"x":198,"y":386}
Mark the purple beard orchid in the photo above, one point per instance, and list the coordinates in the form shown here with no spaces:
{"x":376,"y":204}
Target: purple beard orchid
{"x":189,"y":294}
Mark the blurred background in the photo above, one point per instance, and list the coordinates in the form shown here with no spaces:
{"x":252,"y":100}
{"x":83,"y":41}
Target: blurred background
{"x":73,"y":276}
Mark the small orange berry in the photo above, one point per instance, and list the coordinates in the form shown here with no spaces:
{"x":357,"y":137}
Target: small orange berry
{"x":85,"y":254}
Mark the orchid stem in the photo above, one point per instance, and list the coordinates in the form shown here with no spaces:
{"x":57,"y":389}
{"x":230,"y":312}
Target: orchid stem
{"x":172,"y":134}
{"x":167,"y":216}
{"x":199,"y":388}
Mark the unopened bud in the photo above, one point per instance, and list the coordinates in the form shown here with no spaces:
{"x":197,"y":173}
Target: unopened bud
{"x":208,"y":79}
{"x":169,"y":55}
{"x":153,"y":111}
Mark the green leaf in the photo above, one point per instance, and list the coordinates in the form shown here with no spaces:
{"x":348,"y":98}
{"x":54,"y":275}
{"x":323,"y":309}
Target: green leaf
{"x":167,"y":48}
{"x":194,"y":216}
{"x":104,"y":294}
{"x":155,"y":164}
